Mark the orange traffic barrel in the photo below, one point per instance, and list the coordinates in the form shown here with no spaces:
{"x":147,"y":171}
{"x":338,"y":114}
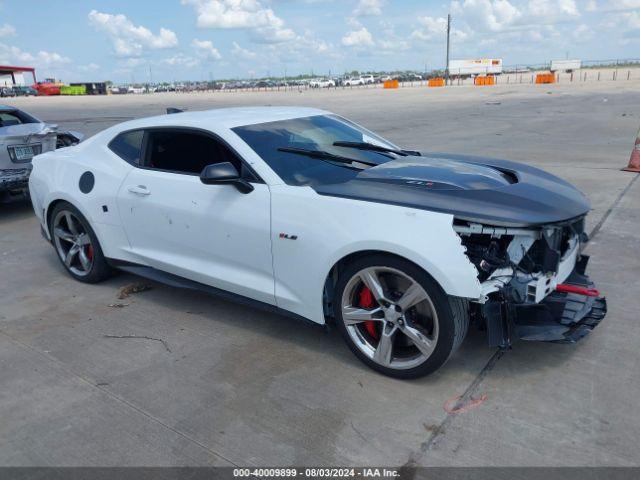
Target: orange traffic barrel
{"x":482,"y":80}
{"x":542,"y":78}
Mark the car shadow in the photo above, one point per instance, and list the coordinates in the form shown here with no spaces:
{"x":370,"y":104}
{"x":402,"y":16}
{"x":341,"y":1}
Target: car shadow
{"x":184,"y":303}
{"x":472,"y":358}
{"x":15,"y":210}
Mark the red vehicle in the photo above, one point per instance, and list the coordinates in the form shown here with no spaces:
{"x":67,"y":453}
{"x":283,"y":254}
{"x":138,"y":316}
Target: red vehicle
{"x":46,"y":88}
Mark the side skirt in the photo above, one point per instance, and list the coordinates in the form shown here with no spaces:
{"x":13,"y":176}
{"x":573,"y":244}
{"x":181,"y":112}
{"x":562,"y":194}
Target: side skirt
{"x":172,"y":280}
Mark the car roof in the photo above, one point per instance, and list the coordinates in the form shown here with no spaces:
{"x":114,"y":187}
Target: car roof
{"x":224,"y":117}
{"x":7,"y":107}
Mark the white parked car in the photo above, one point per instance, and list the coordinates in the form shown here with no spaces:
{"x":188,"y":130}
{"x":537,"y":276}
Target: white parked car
{"x":322,"y":83}
{"x":368,"y":79}
{"x":305,"y":213}
{"x":354,"y":81}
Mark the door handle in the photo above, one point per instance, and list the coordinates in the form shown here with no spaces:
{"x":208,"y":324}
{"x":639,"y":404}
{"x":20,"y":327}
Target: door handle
{"x":139,"y":190}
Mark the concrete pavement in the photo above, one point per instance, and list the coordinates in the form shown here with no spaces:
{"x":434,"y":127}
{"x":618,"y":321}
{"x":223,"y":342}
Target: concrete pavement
{"x":237,"y":386}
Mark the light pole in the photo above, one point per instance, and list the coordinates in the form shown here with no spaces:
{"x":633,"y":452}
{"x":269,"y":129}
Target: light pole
{"x":446,"y":71}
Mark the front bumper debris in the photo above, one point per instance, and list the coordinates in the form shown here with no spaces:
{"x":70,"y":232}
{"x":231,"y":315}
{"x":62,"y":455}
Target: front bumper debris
{"x":559,"y":318}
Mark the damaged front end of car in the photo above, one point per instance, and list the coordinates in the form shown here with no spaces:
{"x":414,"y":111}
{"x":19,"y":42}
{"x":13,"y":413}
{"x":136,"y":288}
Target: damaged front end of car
{"x":533,"y":281}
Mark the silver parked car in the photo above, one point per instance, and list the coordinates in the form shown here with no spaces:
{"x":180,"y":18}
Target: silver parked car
{"x":22,"y":137}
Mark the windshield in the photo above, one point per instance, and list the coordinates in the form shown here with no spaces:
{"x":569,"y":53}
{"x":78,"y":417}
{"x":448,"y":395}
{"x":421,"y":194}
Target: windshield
{"x":312,"y":133}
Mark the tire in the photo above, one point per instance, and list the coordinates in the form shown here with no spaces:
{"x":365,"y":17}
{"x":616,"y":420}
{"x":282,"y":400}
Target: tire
{"x":441,"y":321}
{"x":81,"y":237}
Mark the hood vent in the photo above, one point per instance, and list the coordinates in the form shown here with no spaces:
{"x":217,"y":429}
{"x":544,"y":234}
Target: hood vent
{"x":508,"y":175}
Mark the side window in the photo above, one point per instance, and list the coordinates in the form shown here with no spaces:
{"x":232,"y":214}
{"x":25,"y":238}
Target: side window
{"x":15,"y":117}
{"x":128,"y":146}
{"x":8,"y":119}
{"x":186,"y":152}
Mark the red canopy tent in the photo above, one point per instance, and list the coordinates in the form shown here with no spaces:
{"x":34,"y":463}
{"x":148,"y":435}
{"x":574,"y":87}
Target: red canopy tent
{"x":9,"y":70}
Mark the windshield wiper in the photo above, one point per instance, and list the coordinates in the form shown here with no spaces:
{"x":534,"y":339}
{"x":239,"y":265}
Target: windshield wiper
{"x":376,"y":148}
{"x":322,"y":155}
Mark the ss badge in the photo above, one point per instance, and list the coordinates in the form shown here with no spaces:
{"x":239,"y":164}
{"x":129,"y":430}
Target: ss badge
{"x":286,"y":236}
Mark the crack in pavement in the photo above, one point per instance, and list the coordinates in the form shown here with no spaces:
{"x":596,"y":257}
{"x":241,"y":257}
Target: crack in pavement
{"x":466,"y":396}
{"x":616,"y":202}
{"x":119,"y":399}
{"x":415,"y":457}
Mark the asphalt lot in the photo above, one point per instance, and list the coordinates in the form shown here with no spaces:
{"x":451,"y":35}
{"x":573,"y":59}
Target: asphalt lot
{"x":239,"y":386}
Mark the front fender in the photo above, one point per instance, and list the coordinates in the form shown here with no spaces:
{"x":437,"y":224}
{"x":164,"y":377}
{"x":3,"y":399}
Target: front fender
{"x":451,"y":267}
{"x":327,"y":229}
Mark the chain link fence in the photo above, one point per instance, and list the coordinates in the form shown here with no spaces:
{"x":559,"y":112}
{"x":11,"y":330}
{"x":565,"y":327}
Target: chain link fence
{"x":590,"y":71}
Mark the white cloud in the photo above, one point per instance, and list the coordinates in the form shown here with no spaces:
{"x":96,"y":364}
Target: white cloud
{"x":90,"y":67}
{"x":132,"y":63}
{"x":12,"y":54}
{"x":129,"y":40}
{"x":7,"y":30}
{"x":358,"y":38}
{"x":514,"y":24}
{"x":181,"y":60}
{"x":491,"y":15}
{"x":633,"y":20}
{"x":308,"y":49}
{"x":622,"y":21}
{"x":205,"y":49}
{"x":238,"y":51}
{"x":367,"y":8}
{"x":583,"y":32}
{"x":353,"y":22}
{"x":612,"y":5}
{"x":232,"y":13}
{"x":431,"y":28}
{"x":313,"y":44}
{"x":51,"y":58}
{"x":393,"y":45}
{"x":549,"y":11}
{"x":273,"y":35}
{"x":389,"y":41}
{"x":265,"y":25}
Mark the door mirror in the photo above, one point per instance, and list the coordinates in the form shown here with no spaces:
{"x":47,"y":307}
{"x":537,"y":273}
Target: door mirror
{"x":225,"y":172}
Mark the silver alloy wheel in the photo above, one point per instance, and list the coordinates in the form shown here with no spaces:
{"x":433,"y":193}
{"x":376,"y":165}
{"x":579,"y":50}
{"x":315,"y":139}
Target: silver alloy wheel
{"x":73,"y":243}
{"x":406,"y":322}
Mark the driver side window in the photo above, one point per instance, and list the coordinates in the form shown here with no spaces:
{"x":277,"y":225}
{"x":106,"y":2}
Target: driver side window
{"x":182,"y":151}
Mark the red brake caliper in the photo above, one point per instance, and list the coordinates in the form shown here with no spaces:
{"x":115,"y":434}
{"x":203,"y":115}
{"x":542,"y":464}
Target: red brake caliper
{"x":367,"y":301}
{"x":90,"y":252}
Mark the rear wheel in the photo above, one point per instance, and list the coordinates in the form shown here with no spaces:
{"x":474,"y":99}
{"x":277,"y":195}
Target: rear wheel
{"x":77,"y":245}
{"x":396,"y":318}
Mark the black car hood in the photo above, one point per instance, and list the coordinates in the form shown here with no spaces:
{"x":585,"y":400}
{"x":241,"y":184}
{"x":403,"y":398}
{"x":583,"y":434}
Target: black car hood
{"x":479,"y":189}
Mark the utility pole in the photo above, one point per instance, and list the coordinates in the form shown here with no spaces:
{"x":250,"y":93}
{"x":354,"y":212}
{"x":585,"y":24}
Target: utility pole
{"x":446,"y":71}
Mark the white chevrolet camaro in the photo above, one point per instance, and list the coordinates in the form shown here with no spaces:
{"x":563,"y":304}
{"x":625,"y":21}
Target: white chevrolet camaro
{"x":305,"y":213}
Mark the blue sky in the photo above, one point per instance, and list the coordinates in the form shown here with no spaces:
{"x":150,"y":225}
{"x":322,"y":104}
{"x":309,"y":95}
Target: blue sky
{"x":167,"y":40}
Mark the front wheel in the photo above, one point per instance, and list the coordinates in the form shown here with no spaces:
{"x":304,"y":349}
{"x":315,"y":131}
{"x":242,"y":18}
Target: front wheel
{"x":396,"y":318}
